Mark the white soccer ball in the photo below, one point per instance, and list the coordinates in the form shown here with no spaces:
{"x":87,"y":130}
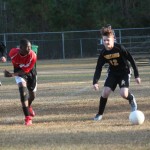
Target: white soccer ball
{"x":137,"y":117}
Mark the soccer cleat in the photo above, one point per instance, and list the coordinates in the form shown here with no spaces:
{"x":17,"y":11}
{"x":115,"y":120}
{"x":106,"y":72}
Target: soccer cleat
{"x":133,"y":104}
{"x":28,"y":120}
{"x":98,"y":117}
{"x":32,"y":113}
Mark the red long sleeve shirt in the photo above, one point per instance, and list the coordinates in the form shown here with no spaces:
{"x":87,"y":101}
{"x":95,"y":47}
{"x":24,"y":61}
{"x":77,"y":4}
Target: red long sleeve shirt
{"x":26,"y":63}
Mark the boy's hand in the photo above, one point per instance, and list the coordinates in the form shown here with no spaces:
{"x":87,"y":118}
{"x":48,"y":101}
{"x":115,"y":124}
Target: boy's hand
{"x":138,"y":80}
{"x":96,"y":87}
{"x":7,"y":73}
{"x":3,"y":59}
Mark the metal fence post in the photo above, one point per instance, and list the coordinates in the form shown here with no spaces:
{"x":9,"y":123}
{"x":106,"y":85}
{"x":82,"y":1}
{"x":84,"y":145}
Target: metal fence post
{"x":120,"y":36}
{"x":63,"y":45}
{"x":81,"y":50}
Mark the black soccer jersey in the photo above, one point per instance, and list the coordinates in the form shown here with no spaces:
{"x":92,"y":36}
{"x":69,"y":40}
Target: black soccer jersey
{"x":119,"y":60}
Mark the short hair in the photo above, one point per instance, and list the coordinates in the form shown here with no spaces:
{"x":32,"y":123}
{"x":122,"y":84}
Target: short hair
{"x":108,"y":26}
{"x":107,"y":31}
{"x":24,"y":42}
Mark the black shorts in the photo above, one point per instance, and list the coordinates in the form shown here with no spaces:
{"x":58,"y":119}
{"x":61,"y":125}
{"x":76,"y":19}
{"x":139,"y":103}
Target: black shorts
{"x":30,"y":79}
{"x":113,"y":80}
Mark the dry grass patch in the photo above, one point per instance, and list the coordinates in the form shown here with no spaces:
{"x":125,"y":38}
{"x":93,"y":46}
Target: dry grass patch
{"x":65,"y":107}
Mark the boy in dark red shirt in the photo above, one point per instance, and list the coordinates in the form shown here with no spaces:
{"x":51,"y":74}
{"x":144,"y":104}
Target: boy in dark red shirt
{"x":23,"y":60}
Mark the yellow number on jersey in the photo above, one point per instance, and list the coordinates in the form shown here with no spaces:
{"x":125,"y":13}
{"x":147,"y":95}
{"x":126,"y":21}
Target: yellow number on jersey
{"x":114,"y":62}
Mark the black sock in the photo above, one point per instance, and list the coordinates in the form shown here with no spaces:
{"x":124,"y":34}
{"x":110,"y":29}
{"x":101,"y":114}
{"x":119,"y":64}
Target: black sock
{"x":29,"y":103}
{"x":26,"y":111}
{"x":130,"y":97}
{"x":102,"y":105}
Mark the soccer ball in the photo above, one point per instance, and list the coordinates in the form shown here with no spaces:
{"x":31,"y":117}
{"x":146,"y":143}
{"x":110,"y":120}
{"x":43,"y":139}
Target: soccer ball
{"x":136,"y":117}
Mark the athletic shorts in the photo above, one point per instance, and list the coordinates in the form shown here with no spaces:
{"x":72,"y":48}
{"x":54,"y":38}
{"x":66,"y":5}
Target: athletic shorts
{"x":30,"y":79}
{"x":113,"y":80}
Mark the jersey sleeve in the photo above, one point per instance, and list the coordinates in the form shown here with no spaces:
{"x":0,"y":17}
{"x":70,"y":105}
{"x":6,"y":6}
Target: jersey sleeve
{"x":13,"y":53}
{"x":98,"y":69}
{"x":129,"y":57}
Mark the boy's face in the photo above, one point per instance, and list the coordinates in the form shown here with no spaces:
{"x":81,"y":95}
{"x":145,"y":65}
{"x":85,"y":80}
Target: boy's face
{"x":108,"y":42}
{"x":25,"y":49}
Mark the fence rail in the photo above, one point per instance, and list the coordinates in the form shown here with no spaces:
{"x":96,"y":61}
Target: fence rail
{"x":76,"y":44}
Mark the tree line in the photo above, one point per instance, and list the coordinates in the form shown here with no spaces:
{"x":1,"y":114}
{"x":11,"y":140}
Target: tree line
{"x":65,"y":15}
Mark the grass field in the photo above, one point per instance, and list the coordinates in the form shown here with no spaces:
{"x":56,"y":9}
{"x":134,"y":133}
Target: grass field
{"x":65,"y":106}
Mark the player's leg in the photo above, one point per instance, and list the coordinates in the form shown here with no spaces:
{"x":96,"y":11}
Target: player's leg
{"x":32,"y":88}
{"x":102,"y":103}
{"x":30,"y":100}
{"x":23,"y":98}
{"x":31,"y":97}
{"x":109,"y":86}
{"x":124,"y":92}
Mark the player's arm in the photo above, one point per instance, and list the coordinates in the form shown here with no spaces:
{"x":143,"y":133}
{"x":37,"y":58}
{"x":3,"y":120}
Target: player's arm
{"x":3,"y":52}
{"x":98,"y":71}
{"x":134,"y":66}
{"x":9,"y":74}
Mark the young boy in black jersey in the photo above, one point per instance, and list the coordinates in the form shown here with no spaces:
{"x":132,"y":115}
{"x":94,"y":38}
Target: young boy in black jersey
{"x":118,"y":59}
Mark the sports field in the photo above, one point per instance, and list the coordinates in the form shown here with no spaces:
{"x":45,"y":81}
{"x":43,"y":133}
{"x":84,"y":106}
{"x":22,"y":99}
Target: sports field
{"x":65,"y":106}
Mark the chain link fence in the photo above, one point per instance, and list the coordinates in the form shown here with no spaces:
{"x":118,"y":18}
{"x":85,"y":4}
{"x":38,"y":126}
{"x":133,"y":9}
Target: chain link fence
{"x":78,"y":44}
